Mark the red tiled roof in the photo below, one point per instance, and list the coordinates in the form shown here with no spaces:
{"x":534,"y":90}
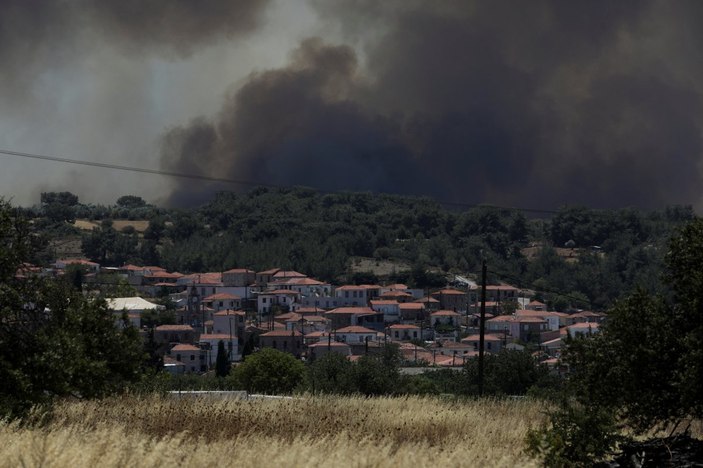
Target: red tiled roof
{"x":351,"y":310}
{"x":383,"y":302}
{"x":185,"y":347}
{"x":350,"y":287}
{"x":427,"y":300}
{"x":274,"y":333}
{"x":356,"y":329}
{"x":449,"y":291}
{"x":288,"y":274}
{"x":502,"y":318}
{"x":215,"y":336}
{"x":239,"y":270}
{"x":411,"y":306}
{"x":401,"y":326}
{"x":224,"y":313}
{"x":272,"y":271}
{"x":445,"y":313}
{"x":333,"y":344}
{"x":222,"y":297}
{"x":396,"y":294}
{"x":486,"y":337}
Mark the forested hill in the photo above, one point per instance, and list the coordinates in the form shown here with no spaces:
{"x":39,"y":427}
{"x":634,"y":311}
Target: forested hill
{"x":591,"y":256}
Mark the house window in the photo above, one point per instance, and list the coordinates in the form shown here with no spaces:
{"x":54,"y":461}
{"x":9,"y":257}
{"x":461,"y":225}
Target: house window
{"x":414,"y":334}
{"x":263,"y":300}
{"x":178,"y":357}
{"x":285,"y":345}
{"x":346,"y":293}
{"x":221,"y":303}
{"x":213,"y":290}
{"x":488,"y":345}
{"x":192,"y":357}
{"x":274,"y":343}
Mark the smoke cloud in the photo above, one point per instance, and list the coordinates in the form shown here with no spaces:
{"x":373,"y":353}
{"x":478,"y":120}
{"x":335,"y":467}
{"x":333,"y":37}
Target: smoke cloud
{"x":100,"y":80}
{"x":524,"y":103}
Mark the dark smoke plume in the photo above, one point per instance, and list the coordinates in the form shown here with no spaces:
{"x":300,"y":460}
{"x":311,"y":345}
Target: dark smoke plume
{"x":525,"y":103}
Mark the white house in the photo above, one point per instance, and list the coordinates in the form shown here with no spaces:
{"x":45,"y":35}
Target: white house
{"x":133,"y":306}
{"x":358,"y":295}
{"x":403,"y":332}
{"x":223,"y":301}
{"x":191,"y":356}
{"x":552,"y":318}
{"x":285,"y":299}
{"x":389,"y":308}
{"x":355,"y":334}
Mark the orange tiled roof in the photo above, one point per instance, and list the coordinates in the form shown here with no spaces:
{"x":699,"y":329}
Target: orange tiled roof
{"x":283,"y":333}
{"x":185,"y":347}
{"x":222,"y":297}
{"x":356,"y":329}
{"x":351,"y":310}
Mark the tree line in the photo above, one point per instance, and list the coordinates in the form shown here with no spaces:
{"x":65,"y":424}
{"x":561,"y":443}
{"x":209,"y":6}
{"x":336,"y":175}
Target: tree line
{"x":584,"y":258}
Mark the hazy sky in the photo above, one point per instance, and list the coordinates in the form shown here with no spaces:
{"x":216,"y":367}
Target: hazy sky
{"x":535,"y":104}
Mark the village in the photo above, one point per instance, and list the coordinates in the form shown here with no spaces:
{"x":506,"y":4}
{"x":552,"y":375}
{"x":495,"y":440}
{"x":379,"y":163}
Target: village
{"x":296,"y":314}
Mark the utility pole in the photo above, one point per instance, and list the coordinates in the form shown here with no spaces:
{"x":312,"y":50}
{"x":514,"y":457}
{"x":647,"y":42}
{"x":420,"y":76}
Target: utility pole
{"x":482,"y":327}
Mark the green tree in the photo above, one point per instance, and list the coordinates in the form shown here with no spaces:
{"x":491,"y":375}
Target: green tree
{"x":130,"y":202}
{"x":54,"y":340}
{"x":332,"y":373}
{"x":222,"y":360}
{"x":271,"y":372}
{"x":643,"y":370}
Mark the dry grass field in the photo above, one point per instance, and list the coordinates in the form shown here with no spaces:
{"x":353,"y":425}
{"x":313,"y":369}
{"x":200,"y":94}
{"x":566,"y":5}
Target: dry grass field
{"x":301,"y":432}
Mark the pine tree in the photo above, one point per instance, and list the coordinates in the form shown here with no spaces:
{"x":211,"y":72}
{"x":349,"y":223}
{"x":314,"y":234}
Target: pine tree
{"x":222,"y":362}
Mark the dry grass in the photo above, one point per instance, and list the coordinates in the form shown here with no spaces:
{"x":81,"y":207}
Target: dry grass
{"x":307,"y":431}
{"x":119,"y":224}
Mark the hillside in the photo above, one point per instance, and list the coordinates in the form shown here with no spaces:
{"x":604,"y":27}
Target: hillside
{"x":348,"y":237}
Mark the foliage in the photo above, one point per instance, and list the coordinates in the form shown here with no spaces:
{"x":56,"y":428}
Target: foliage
{"x":576,"y":435}
{"x":642,"y":370}
{"x":55,"y":341}
{"x":222,"y":360}
{"x":270,"y":371}
{"x":371,"y":374}
{"x":332,"y":373}
{"x":130,"y":201}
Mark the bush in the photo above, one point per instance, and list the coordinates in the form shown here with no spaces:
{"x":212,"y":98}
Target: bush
{"x":270,"y":371}
{"x":575,"y":435}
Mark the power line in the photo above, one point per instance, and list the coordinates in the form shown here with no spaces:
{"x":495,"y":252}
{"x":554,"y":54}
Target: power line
{"x":136,"y":169}
{"x":225,"y":180}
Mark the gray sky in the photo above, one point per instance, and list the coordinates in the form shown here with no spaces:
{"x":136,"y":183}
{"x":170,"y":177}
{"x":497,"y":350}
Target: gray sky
{"x":104,"y":104}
